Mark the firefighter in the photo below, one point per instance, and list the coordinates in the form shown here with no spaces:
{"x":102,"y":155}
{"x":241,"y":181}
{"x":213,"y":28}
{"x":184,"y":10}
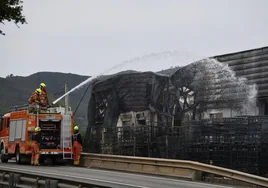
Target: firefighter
{"x":43,"y":95}
{"x":35,"y":97}
{"x":36,"y":146}
{"x":77,"y":145}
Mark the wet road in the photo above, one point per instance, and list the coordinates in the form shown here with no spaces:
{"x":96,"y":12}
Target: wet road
{"x":108,"y":178}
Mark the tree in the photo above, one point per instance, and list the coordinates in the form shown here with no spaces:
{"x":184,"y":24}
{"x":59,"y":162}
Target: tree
{"x":11,"y":11}
{"x":10,"y":76}
{"x":209,"y":84}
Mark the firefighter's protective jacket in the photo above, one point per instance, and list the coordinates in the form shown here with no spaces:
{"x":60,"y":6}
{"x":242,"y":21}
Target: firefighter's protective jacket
{"x":43,"y":98}
{"x":34,"y":99}
{"x":37,"y":137}
{"x":77,"y":137}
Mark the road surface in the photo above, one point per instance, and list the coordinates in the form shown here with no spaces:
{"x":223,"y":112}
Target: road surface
{"x":105,"y":177}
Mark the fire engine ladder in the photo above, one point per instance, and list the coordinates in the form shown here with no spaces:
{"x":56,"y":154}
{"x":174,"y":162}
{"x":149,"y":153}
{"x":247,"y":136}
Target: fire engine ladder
{"x":66,"y":137}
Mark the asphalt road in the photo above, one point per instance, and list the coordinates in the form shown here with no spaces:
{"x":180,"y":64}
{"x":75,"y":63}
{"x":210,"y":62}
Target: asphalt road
{"x":105,"y":177}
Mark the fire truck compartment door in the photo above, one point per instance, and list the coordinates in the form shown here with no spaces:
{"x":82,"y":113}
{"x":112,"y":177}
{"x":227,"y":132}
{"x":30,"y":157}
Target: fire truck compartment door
{"x":17,"y":130}
{"x":23,"y":130}
{"x":12,"y":130}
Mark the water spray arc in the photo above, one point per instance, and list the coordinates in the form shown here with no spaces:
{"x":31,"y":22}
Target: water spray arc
{"x":161,"y":55}
{"x":85,"y":82}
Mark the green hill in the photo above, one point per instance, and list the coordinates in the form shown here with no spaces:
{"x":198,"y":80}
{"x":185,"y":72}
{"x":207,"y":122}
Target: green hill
{"x":16,"y":90}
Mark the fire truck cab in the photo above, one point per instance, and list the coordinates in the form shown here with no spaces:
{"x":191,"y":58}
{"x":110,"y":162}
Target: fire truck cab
{"x":17,"y":128}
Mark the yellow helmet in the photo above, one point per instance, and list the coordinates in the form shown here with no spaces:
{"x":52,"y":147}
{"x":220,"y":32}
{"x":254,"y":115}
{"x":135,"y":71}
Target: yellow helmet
{"x":42,"y":85}
{"x":76,"y":128}
{"x":36,"y":129}
{"x":38,"y":90}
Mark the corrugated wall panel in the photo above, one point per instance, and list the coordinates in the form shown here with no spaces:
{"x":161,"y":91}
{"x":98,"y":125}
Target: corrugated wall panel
{"x":252,"y":64}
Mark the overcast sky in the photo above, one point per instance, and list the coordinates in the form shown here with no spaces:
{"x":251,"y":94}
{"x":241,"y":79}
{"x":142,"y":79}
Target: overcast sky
{"x":88,"y":37}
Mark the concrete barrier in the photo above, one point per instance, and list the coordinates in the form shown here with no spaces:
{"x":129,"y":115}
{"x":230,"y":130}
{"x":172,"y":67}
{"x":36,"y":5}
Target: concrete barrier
{"x":175,"y":168}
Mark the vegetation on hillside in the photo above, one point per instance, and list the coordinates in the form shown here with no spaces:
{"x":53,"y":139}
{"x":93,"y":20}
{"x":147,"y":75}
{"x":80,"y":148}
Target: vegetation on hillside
{"x":16,"y":90}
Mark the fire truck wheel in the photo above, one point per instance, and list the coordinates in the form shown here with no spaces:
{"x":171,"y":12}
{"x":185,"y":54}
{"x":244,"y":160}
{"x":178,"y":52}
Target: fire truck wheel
{"x":54,"y":161}
{"x":4,"y":159}
{"x":41,"y":160}
{"x":18,"y":156}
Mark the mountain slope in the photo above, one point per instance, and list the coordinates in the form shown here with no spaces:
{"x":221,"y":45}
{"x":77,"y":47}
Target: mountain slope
{"x":16,"y":90}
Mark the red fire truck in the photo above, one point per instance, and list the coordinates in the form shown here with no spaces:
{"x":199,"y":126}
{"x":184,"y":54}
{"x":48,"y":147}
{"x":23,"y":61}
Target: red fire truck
{"x":17,"y":127}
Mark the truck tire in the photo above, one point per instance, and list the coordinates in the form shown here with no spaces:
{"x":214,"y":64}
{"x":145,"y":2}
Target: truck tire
{"x":18,"y":155}
{"x":54,"y":161}
{"x":4,"y":158}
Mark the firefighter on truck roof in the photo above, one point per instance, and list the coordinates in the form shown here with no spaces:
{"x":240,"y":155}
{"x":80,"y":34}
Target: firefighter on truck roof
{"x":36,"y":146}
{"x":77,"y":145}
{"x":35,"y":97}
{"x":43,"y":95}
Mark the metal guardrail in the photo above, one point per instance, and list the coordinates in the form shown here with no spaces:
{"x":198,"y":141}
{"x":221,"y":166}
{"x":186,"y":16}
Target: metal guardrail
{"x":176,"y":168}
{"x":14,"y":178}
